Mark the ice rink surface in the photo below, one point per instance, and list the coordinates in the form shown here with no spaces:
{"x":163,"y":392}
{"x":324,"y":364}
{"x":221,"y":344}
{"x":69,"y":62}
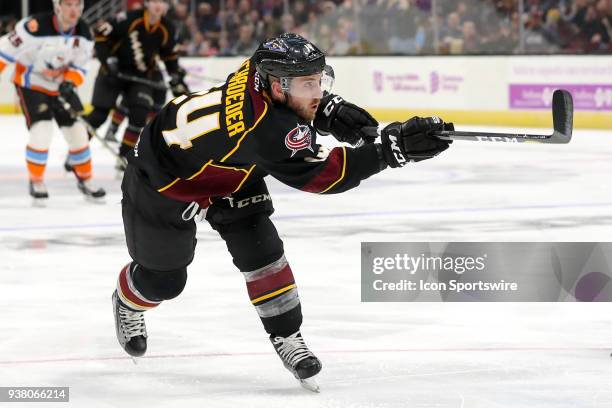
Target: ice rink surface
{"x":207,"y":348}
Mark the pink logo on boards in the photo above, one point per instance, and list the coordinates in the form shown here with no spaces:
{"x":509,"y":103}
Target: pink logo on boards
{"x":298,"y":139}
{"x":593,"y":97}
{"x":432,"y":82}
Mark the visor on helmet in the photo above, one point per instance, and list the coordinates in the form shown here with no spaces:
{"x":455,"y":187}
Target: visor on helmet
{"x":312,"y":86}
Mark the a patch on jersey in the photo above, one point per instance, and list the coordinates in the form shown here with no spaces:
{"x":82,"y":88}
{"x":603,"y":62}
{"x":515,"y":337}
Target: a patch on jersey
{"x":275,"y":45}
{"x":32,"y":25}
{"x":14,"y":39}
{"x":298,"y":139}
{"x":43,"y":107}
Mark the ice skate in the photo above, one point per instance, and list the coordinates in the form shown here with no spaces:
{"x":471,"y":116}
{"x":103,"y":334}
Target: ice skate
{"x":130,"y":328}
{"x":39,"y":193}
{"x":91,"y":193}
{"x":298,"y":359}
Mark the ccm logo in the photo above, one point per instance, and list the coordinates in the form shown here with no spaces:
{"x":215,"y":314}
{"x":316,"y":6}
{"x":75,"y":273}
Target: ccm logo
{"x":248,"y":201}
{"x":331,"y":104}
{"x":397,"y":152}
{"x":497,"y":139}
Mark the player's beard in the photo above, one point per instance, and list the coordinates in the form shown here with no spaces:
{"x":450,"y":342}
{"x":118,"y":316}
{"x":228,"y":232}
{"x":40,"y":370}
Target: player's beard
{"x":306,"y":112}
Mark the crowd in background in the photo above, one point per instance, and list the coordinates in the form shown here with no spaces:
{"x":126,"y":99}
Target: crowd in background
{"x":364,"y":27}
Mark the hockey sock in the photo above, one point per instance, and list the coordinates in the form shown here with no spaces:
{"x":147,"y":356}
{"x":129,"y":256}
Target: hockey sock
{"x":36,"y":161}
{"x":81,"y":162}
{"x":129,"y":295}
{"x":37,"y":149}
{"x":130,"y":137}
{"x":79,"y":155}
{"x":274,"y":294}
{"x":118,"y":116}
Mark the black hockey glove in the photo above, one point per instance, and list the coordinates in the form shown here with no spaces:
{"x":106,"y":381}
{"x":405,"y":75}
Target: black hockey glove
{"x":177,"y":83}
{"x":343,"y":120}
{"x":69,"y":98}
{"x":410,"y":141}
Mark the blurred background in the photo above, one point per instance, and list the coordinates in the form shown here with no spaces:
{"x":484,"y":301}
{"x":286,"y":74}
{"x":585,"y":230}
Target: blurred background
{"x":373,"y":27}
{"x":473,"y":62}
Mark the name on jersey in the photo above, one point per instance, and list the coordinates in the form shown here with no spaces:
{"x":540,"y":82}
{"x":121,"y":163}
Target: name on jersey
{"x":234,"y":100}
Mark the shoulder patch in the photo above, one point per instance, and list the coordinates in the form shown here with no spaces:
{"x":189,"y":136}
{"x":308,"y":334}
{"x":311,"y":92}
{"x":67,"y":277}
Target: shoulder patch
{"x":14,"y":39}
{"x":32,"y":25}
{"x":299,"y":138}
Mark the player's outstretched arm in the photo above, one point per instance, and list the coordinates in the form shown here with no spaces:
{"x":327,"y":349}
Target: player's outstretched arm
{"x":343,"y":120}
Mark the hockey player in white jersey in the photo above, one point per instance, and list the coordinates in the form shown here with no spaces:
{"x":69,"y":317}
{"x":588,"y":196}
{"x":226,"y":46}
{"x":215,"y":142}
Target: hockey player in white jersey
{"x":50,"y":52}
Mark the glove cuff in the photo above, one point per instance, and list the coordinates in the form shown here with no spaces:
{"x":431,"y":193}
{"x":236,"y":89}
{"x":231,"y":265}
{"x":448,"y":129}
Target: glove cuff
{"x":382,"y":163}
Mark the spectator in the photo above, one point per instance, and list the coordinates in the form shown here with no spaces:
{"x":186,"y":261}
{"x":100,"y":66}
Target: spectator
{"x":206,"y":21}
{"x":246,"y":44}
{"x":471,"y":41}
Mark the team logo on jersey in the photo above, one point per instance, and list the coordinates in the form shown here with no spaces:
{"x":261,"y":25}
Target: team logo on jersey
{"x":298,"y":139}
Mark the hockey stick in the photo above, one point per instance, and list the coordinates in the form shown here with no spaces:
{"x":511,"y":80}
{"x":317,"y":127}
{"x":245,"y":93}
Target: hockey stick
{"x":562,"y":112}
{"x":153,"y":84}
{"x":90,"y":129}
{"x":204,"y":77}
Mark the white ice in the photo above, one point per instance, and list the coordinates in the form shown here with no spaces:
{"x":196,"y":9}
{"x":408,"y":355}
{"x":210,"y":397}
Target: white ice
{"x":207,"y":348}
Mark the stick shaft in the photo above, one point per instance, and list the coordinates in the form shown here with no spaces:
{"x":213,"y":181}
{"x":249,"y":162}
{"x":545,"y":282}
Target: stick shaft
{"x":79,"y":118}
{"x":152,"y":84}
{"x":491,"y":136}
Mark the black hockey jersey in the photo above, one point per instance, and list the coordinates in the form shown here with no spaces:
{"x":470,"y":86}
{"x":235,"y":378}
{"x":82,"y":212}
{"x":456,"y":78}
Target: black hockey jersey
{"x":136,"y":43}
{"x":212,"y":143}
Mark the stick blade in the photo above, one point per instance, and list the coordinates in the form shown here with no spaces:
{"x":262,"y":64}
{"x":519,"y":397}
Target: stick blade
{"x":563,"y":116}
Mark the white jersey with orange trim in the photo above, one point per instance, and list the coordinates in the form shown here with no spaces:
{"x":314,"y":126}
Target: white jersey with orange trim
{"x":44,"y":55}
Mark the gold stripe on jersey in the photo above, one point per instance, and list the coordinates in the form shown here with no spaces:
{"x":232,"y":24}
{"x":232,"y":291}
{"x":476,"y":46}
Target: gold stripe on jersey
{"x":135,"y":24}
{"x":341,"y":175}
{"x":245,"y":178}
{"x":147,"y":25}
{"x":210,"y":163}
{"x":247,"y":173}
{"x":165,"y":34}
{"x":263,"y":114}
{"x":169,"y":185}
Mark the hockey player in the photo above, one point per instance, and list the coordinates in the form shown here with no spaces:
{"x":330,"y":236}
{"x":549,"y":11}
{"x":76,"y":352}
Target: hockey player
{"x":131,"y":45}
{"x":206,"y":155}
{"x":121,"y":111}
{"x":50,"y":52}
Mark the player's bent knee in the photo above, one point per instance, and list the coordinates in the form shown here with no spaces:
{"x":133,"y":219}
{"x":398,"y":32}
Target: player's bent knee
{"x":159,"y":285}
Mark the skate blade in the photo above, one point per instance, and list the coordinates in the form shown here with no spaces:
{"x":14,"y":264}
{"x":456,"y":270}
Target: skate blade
{"x":310,"y":384}
{"x":95,"y":200}
{"x":135,"y":360}
{"x":39,"y":202}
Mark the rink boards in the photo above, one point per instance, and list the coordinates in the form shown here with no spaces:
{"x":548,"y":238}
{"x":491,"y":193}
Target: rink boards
{"x":477,"y":90}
